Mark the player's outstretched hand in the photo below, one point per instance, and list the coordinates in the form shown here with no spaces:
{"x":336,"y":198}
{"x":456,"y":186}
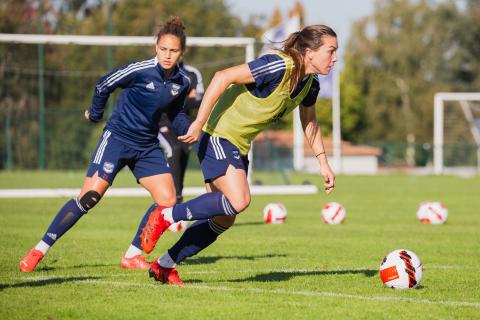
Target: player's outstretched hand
{"x":328,"y":178}
{"x":192,"y":134}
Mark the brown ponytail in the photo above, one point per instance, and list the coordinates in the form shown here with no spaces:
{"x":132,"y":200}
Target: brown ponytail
{"x":173,"y":26}
{"x":310,"y":37}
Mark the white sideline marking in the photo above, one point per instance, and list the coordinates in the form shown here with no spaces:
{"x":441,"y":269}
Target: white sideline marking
{"x":231,"y":271}
{"x":140,"y":192}
{"x":300,"y":293}
{"x":473,"y":304}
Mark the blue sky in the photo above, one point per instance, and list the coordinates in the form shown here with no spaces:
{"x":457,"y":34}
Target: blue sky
{"x":338,"y":14}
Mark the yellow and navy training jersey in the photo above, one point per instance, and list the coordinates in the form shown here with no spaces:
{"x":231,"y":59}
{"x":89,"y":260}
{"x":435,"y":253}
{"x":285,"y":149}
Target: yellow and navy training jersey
{"x":243,"y":111}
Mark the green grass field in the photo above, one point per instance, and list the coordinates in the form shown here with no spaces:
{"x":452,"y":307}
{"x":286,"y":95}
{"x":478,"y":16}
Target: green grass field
{"x":302,"y":269}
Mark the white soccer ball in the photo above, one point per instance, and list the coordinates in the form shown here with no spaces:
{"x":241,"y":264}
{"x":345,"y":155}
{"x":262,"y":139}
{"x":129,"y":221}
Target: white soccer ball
{"x":179,"y":226}
{"x":333,"y":213}
{"x":401,"y":269}
{"x":274,"y":213}
{"x":432,"y":212}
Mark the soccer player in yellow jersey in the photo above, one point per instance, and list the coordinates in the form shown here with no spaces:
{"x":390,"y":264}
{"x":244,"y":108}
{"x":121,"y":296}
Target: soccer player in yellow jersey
{"x":239,"y":103}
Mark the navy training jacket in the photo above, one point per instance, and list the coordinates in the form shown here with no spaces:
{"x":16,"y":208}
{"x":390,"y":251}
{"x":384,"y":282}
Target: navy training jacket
{"x":145,"y":96}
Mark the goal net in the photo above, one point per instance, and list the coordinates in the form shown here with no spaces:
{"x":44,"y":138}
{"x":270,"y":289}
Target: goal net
{"x":47,"y":82}
{"x":457,"y":133}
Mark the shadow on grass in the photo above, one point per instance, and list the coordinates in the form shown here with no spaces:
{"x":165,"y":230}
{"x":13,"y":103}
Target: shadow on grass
{"x":77,"y":266}
{"x":213,"y":259}
{"x":419,"y":287}
{"x":246,"y":224}
{"x":287,"y":275}
{"x":45,"y":282}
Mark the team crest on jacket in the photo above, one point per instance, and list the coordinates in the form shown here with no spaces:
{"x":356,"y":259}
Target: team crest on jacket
{"x":175,"y":88}
{"x":108,"y":167}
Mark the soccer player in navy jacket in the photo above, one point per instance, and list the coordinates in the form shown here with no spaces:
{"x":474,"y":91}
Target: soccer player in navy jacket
{"x":150,"y":88}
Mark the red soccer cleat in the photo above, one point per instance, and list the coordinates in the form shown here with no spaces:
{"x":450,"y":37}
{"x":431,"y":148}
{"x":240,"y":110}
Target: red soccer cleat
{"x":30,"y":261}
{"x":136,"y":262}
{"x":165,"y":275}
{"x":154,"y":228}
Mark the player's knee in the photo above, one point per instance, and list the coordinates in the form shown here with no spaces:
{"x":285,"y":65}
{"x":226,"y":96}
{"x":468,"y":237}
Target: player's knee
{"x":241,"y":202}
{"x":89,"y":199}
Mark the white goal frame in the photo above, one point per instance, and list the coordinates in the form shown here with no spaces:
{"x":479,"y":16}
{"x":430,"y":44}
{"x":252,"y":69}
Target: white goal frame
{"x":438,"y":125}
{"x":248,"y":43}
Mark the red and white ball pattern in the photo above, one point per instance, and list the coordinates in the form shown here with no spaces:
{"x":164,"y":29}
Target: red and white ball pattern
{"x":432,"y":212}
{"x":274,"y":213}
{"x":333,"y":213}
{"x":179,"y":226}
{"x":401,"y":269}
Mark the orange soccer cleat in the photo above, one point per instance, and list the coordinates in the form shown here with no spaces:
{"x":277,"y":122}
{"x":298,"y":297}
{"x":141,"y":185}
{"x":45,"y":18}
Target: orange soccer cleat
{"x":30,"y":261}
{"x":164,"y":275}
{"x":154,"y":228}
{"x":136,"y":262}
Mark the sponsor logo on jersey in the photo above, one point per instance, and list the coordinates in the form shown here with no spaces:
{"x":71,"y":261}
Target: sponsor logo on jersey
{"x":175,"y":88}
{"x":108,"y":167}
{"x":150,"y":86}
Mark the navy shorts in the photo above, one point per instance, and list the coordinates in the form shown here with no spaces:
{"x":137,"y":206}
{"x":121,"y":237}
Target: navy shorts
{"x":111,"y":155}
{"x":216,"y":154}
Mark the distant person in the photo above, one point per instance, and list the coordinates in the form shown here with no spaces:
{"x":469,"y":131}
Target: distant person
{"x":239,"y":103}
{"x":150,"y":88}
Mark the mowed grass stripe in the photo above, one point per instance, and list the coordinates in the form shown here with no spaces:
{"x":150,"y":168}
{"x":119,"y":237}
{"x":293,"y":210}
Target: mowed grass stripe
{"x":473,"y":304}
{"x":298,"y":271}
{"x":303,"y":269}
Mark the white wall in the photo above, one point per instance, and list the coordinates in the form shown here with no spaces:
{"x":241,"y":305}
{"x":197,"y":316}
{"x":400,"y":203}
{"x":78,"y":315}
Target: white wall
{"x":350,"y":165}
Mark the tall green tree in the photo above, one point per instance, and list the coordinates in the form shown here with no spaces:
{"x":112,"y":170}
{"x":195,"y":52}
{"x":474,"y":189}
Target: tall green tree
{"x":398,"y":58}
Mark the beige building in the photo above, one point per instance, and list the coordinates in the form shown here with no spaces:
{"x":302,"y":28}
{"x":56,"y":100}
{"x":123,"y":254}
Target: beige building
{"x":356,"y":159}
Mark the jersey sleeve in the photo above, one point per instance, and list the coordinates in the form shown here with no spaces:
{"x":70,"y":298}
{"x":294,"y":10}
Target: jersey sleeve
{"x":312,"y":94}
{"x":121,"y":77}
{"x":268,"y":69}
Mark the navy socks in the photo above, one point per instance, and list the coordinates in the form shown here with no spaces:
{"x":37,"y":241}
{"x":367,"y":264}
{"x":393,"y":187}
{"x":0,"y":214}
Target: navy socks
{"x":206,"y":206}
{"x":200,"y":234}
{"x":68,"y":215}
{"x":197,"y":237}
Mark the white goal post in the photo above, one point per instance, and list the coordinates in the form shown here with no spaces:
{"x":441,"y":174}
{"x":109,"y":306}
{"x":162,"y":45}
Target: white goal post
{"x":248,"y":43}
{"x":438,"y":124}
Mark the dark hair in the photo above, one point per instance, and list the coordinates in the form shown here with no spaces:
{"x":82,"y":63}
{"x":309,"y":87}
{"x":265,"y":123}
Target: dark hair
{"x":173,"y":26}
{"x":310,"y":37}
